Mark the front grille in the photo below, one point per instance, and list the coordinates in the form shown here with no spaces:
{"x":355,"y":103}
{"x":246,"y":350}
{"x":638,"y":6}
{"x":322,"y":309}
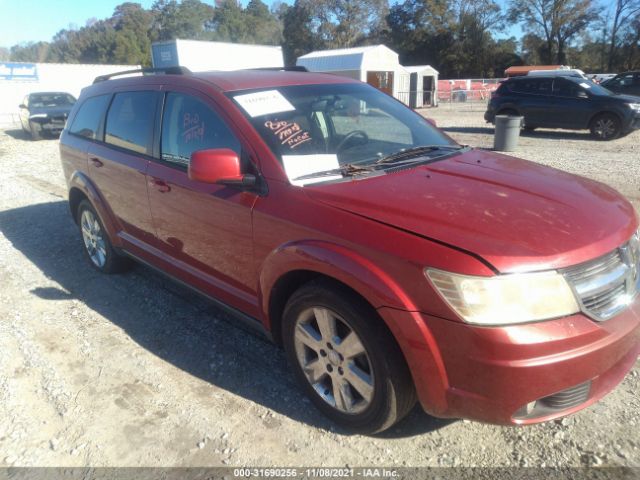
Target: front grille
{"x":568,"y":398}
{"x":607,"y":285}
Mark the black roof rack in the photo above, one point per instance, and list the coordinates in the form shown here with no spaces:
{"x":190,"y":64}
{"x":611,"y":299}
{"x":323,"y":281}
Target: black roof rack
{"x":146,"y":71}
{"x":291,"y":68}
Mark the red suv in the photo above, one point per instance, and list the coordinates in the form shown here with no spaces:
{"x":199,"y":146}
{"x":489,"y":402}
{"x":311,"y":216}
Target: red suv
{"x":390,"y":262}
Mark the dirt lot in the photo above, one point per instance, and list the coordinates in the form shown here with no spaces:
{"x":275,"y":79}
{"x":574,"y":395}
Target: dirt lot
{"x":132,"y":371}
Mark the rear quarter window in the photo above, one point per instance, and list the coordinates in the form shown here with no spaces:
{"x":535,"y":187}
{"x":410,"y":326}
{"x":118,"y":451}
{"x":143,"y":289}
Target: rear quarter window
{"x":87,"y":121}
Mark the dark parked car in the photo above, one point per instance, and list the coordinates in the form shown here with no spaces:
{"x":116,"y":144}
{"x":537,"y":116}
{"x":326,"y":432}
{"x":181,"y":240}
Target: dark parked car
{"x":565,"y":102}
{"x":45,"y":112}
{"x":390,"y":262}
{"x":627,"y":83}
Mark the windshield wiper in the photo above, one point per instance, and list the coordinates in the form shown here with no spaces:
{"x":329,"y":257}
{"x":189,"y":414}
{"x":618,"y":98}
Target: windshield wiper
{"x":347,"y":170}
{"x":415,"y":152}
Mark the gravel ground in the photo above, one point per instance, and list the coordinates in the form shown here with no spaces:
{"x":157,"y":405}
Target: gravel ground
{"x":130,"y":370}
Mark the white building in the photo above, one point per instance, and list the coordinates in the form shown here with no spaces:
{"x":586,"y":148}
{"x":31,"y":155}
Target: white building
{"x":423,"y":86}
{"x":17,"y":79}
{"x":200,"y":56}
{"x":377,"y":65}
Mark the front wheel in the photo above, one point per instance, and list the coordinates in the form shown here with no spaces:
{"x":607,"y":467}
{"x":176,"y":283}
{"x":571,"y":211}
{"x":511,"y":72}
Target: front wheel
{"x":605,"y":127}
{"x":97,"y":247}
{"x":35,"y":130}
{"x":345,"y":359}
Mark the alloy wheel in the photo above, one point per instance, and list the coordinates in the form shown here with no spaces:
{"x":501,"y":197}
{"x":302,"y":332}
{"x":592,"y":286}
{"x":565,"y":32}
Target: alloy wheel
{"x":605,"y":127}
{"x":93,"y":238}
{"x":334,"y":360}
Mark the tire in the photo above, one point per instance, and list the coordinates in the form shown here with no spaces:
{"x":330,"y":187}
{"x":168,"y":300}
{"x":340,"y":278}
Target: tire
{"x":35,"y":131}
{"x":605,"y":126}
{"x":361,"y":361}
{"x":96,"y":244}
{"x":508,"y":111}
{"x":529,"y":128}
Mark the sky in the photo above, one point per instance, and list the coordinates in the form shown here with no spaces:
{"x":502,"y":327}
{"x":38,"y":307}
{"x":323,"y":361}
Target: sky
{"x":36,"y":20}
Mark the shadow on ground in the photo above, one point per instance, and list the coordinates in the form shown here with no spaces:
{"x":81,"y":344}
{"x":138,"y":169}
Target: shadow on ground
{"x":171,"y":322}
{"x":20,"y":134}
{"x":470,"y":130}
{"x":547,"y":134}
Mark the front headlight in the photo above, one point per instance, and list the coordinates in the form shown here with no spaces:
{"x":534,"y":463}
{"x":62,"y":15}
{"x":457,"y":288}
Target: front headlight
{"x":634,"y":106}
{"x":505,"y":299}
{"x":38,"y":115}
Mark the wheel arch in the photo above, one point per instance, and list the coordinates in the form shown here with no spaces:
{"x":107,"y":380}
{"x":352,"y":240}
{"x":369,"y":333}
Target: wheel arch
{"x":296,"y":263}
{"x":604,"y":112}
{"x":81,"y":187}
{"x":509,"y":107}
{"x":293,"y":265}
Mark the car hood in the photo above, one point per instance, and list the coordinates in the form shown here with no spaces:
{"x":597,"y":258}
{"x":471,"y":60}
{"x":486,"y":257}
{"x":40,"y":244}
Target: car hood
{"x":515,"y":214}
{"x":625,"y":97}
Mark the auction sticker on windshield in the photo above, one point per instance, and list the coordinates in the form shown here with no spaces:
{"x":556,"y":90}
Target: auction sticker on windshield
{"x":299,"y":165}
{"x":264,"y":103}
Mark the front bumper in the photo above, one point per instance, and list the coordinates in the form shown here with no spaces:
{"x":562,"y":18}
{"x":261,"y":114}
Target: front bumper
{"x":50,"y":123}
{"x":492,"y":374}
{"x":489,"y":116}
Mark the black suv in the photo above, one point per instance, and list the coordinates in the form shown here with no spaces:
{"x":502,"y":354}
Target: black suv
{"x":627,"y":83}
{"x":566,"y":102}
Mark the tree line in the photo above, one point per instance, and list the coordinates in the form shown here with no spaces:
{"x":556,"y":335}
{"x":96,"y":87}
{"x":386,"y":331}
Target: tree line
{"x":460,"y":38}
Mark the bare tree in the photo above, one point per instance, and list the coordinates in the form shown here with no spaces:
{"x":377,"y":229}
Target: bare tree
{"x":557,"y":21}
{"x":623,"y":13}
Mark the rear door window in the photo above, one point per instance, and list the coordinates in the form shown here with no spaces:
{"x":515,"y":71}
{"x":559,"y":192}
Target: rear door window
{"x":534,"y":86}
{"x":567,"y":89}
{"x":87,"y":121}
{"x":130,"y":121}
{"x":189,"y":125}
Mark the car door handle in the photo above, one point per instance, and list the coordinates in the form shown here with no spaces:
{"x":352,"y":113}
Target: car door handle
{"x":161,"y":185}
{"x":96,"y":161}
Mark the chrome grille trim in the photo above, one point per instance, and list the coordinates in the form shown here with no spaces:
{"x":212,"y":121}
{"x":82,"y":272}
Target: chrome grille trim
{"x":607,"y":285}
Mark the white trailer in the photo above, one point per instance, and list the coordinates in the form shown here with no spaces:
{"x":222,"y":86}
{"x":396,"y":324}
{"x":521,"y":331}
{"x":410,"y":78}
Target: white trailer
{"x":199,"y":56}
{"x":423,"y":86}
{"x":377,"y":65}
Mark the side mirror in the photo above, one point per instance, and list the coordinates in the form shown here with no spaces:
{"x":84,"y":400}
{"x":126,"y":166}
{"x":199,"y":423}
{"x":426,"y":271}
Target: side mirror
{"x":218,"y":165}
{"x":22,"y":105}
{"x":432,"y":122}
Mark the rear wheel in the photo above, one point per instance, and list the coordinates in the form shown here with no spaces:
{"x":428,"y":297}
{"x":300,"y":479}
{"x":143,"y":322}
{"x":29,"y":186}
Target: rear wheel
{"x":345,"y":359}
{"x":605,"y":127}
{"x":97,"y":247}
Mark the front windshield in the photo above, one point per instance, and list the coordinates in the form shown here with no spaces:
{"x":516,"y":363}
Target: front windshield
{"x":332,"y":125}
{"x":42,"y":100}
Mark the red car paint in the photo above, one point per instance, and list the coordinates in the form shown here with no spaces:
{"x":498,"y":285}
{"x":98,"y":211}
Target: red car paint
{"x":476,"y":213}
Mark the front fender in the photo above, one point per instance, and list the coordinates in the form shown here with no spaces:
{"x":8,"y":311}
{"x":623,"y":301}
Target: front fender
{"x":382,"y":292}
{"x":82,"y":182}
{"x":337,"y":262}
